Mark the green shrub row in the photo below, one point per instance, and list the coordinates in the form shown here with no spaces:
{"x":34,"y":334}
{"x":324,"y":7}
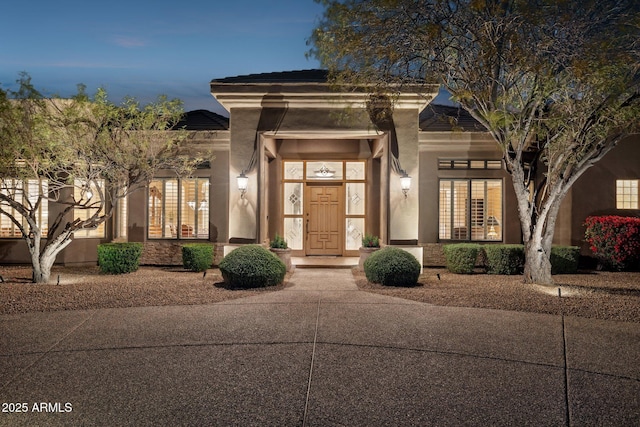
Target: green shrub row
{"x":392,"y":267}
{"x":504,"y":259}
{"x":564,"y":259}
{"x":252,"y":266}
{"x":119,"y":258}
{"x":197,"y":256}
{"x":461,"y":258}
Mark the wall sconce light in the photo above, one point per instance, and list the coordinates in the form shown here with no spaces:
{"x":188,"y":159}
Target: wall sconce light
{"x":243,"y":183}
{"x":405,"y":183}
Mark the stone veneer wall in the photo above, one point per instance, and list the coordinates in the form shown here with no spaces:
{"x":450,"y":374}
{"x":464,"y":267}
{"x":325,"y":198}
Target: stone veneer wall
{"x":170,"y":253}
{"x":433,"y":255}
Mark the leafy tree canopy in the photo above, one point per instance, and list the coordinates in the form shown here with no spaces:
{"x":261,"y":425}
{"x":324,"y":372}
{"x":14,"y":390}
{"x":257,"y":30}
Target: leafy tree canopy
{"x":83,"y":143}
{"x":555,"y":82}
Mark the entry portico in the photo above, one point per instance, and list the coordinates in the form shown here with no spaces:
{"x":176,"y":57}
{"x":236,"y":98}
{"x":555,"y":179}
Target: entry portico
{"x":320,"y":171}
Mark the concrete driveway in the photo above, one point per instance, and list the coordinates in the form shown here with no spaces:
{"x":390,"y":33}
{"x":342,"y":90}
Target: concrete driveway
{"x":320,"y":353}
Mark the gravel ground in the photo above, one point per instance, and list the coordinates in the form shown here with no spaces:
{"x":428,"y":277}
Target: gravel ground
{"x":85,"y":288}
{"x":600,"y":295}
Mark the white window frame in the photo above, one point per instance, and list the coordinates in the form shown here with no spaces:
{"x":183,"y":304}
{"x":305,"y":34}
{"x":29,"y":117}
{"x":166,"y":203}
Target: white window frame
{"x":627,"y":194}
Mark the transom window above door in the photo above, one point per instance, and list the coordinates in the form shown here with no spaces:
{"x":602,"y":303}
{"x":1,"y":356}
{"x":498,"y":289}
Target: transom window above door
{"x":324,"y":170}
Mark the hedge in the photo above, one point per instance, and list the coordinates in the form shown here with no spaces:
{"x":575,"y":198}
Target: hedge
{"x":119,"y":258}
{"x":461,"y":257}
{"x":252,"y":266}
{"x":392,"y":267}
{"x":504,"y":259}
{"x":197,"y":256}
{"x":564,"y":259}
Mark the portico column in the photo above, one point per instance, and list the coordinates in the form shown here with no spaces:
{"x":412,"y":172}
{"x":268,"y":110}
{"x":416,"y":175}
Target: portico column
{"x":243,"y":211}
{"x":404,"y":211}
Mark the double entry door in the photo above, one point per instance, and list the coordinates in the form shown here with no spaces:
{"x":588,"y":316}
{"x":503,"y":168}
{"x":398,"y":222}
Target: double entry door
{"x":324,"y":219}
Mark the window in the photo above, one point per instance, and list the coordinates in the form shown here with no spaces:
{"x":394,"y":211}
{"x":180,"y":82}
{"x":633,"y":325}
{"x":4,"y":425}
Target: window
{"x":470,"y":210}
{"x":26,"y":196}
{"x":121,"y":218}
{"x":179,"y":209}
{"x":469,"y":164}
{"x":627,"y":194}
{"x":84,"y":193}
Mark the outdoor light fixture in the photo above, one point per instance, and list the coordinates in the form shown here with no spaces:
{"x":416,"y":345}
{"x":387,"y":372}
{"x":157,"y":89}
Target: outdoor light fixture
{"x":405,"y":183}
{"x":243,"y":183}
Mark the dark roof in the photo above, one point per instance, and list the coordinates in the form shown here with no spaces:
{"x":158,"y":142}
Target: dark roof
{"x":298,"y":76}
{"x":444,"y":118}
{"x":202,"y":120}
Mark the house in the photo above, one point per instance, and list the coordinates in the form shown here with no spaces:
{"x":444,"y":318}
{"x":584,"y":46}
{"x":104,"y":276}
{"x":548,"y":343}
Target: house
{"x":290,"y":161}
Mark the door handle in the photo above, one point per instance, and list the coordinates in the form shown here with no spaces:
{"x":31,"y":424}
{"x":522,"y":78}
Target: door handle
{"x":307,"y":229}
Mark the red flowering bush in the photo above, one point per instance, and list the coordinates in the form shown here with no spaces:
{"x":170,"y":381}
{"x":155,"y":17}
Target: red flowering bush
{"x":615,"y":241}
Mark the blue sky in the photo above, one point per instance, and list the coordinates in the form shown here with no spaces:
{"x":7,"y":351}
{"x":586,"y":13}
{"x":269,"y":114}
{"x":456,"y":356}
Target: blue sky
{"x":146,"y":48}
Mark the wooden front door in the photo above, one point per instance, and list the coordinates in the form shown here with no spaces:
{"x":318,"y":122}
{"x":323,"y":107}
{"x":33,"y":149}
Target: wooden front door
{"x":324,"y":219}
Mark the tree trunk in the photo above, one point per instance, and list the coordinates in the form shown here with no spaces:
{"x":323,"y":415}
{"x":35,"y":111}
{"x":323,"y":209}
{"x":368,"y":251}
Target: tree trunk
{"x":538,"y":225}
{"x":42,"y":268}
{"x":41,"y":275}
{"x":537,"y":265}
{"x":43,"y":261}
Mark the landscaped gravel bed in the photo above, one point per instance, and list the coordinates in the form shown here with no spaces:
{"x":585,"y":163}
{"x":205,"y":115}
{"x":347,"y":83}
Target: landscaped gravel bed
{"x":600,"y":295}
{"x":86,"y":288}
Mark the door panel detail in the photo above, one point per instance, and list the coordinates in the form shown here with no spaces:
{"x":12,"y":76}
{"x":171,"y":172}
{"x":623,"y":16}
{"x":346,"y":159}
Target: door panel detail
{"x":324,"y":220}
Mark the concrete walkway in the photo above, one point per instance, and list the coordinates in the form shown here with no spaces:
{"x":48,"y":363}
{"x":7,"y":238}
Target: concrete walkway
{"x":320,"y":353}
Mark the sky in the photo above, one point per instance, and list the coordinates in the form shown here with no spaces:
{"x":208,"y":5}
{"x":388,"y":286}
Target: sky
{"x":144,"y":48}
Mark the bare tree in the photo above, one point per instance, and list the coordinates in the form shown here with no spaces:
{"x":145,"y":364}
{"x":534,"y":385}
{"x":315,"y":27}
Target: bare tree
{"x":83,"y":154}
{"x":555,"y":83}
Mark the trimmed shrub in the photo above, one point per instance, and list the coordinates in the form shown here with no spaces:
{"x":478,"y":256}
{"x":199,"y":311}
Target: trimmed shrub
{"x":564,"y":259}
{"x":392,"y":267}
{"x":252,"y":266}
{"x":197,"y":256}
{"x":119,"y":258}
{"x":461,"y":257}
{"x":615,"y":241}
{"x":504,"y":259}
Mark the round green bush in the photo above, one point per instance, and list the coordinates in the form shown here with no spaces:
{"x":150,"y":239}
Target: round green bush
{"x":197,"y":256}
{"x":252,"y":266}
{"x":392,"y":267}
{"x":461,"y":257}
{"x":119,"y":258}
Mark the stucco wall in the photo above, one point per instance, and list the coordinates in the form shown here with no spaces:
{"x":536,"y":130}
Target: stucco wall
{"x":463,"y":146}
{"x":595,"y":192}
